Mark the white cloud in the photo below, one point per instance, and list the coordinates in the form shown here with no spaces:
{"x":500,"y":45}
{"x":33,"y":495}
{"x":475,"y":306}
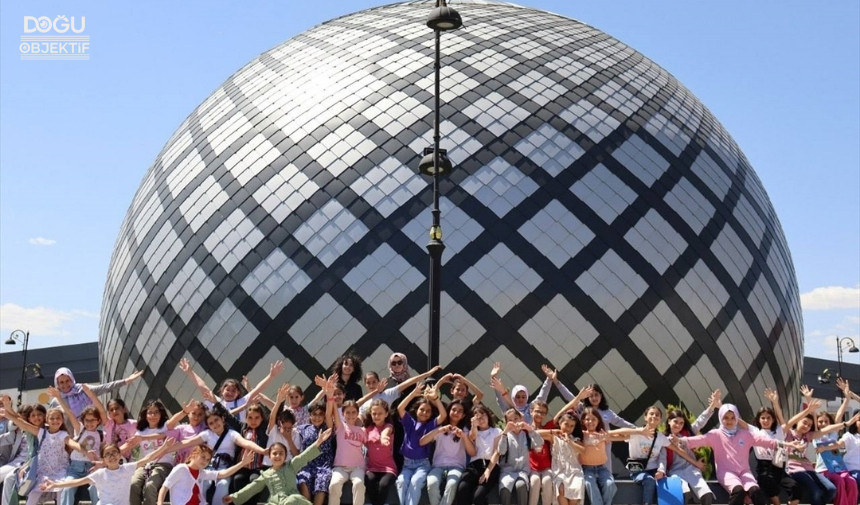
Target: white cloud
{"x":831,"y":297}
{"x":41,"y":320}
{"x":845,"y":326}
{"x":42,"y":241}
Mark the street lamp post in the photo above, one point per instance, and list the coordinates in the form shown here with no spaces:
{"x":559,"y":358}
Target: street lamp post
{"x":20,"y":337}
{"x":435,"y":163}
{"x":840,"y":344}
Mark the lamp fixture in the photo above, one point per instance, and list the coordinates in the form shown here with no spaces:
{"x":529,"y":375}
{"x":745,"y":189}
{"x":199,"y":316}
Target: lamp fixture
{"x":428,"y":165}
{"x":444,"y":18}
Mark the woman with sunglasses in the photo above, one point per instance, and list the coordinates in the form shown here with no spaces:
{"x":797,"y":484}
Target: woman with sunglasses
{"x":398,"y":366}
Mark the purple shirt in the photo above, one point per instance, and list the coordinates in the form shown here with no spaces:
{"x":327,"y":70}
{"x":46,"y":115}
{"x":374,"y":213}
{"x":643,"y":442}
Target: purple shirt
{"x":412,"y":433}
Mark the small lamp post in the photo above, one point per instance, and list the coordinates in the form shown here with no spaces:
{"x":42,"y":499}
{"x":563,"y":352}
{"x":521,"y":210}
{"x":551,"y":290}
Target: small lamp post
{"x":840,"y":346}
{"x":23,"y":337}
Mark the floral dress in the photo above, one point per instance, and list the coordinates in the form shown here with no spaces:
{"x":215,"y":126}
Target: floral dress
{"x":53,"y":458}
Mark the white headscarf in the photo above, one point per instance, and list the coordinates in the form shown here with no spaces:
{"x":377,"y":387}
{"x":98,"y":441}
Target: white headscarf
{"x":726,"y":408}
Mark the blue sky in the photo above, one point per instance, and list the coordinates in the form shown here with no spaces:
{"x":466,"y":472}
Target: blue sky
{"x":76,"y":137}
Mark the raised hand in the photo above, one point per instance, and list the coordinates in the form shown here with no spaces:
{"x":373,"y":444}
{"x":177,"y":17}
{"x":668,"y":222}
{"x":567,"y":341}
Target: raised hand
{"x":585,"y":392}
{"x":496,"y":383}
{"x":323,"y":436}
{"x":431,"y":394}
{"x":843,"y":386}
{"x":497,"y":367}
{"x":283,"y":393}
{"x":771,"y":395}
{"x":54,"y":392}
{"x":715,"y":401}
{"x":332,"y":380}
{"x":276,"y":368}
{"x":209,"y":396}
{"x":380,"y":386}
{"x":806,"y":392}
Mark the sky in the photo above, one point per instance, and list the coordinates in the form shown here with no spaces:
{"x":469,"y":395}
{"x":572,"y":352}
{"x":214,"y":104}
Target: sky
{"x":77,"y":137}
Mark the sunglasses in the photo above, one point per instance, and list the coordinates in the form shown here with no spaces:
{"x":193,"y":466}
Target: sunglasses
{"x":397,"y":362}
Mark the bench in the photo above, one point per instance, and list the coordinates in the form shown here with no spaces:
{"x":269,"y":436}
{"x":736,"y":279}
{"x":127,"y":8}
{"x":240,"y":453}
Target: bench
{"x":629,"y":493}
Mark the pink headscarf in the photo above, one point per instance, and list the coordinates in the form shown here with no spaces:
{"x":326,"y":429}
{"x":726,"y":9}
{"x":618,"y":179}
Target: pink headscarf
{"x":403,"y":374}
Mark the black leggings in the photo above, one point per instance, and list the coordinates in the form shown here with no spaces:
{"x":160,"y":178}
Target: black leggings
{"x":244,"y":477}
{"x":377,"y":485}
{"x":736,"y":497}
{"x":773,"y":478}
{"x":469,"y":490}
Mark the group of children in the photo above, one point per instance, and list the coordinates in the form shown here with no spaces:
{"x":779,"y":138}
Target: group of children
{"x":240,"y":447}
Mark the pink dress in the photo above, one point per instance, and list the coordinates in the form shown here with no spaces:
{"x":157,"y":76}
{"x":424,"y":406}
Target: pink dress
{"x":731,"y":454}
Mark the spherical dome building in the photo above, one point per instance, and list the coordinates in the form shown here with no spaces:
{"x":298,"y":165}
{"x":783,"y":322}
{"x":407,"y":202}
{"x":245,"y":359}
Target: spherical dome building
{"x":599,"y":219}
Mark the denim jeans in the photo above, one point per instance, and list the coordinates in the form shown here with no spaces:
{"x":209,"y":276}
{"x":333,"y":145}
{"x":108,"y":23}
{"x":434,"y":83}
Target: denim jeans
{"x":76,"y":470}
{"x":819,"y":490}
{"x":649,"y":487}
{"x":411,"y":480}
{"x":451,"y":477}
{"x":599,"y":484}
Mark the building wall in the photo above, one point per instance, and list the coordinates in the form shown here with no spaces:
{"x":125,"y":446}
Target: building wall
{"x":599,"y":220}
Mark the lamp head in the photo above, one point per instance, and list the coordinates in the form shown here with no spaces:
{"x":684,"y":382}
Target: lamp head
{"x":444,"y":18}
{"x":824,"y":376}
{"x":10,"y":341}
{"x":840,"y":343}
{"x":428,"y":167}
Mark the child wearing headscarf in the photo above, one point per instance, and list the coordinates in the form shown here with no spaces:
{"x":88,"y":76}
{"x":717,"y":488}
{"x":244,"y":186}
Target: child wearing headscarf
{"x":518,"y":396}
{"x":731,"y":447}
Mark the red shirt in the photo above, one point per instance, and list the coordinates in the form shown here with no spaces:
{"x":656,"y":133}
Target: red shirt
{"x":195,"y":492}
{"x":540,"y":460}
